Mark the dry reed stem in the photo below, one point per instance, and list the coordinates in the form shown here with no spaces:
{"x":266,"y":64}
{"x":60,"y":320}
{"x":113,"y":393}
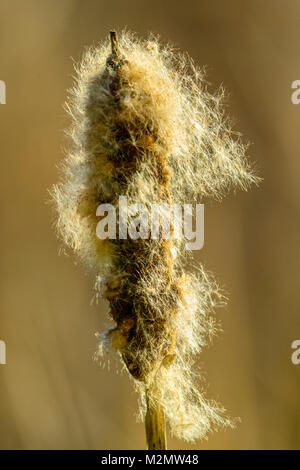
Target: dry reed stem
{"x":155,"y":425}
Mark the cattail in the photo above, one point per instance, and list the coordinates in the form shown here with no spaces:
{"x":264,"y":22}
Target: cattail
{"x":144,"y":126}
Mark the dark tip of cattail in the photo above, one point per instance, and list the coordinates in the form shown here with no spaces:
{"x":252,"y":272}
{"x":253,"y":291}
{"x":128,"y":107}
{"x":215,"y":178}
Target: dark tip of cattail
{"x":115,"y":59}
{"x":114,"y":42}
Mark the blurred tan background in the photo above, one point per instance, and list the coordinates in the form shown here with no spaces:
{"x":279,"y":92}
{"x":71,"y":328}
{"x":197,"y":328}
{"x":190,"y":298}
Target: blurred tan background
{"x":52,"y":395}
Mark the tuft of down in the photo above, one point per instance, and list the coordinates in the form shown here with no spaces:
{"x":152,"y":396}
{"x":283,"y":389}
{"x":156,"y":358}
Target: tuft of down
{"x":144,"y":126}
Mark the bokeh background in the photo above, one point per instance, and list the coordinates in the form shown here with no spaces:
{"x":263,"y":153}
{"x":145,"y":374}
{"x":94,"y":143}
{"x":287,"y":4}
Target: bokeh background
{"x":52,"y":394}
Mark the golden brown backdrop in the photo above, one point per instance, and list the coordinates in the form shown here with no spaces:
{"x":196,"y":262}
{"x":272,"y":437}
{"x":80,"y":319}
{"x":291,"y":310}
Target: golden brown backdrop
{"x":52,"y":395}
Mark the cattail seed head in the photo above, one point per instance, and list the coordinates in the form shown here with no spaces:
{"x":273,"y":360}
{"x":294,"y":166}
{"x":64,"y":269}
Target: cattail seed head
{"x":145,"y":126}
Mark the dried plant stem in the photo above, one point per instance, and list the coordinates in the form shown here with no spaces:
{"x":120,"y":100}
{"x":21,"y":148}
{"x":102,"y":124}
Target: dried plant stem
{"x":155,"y":418}
{"x":114,"y":42}
{"x":155,"y":426}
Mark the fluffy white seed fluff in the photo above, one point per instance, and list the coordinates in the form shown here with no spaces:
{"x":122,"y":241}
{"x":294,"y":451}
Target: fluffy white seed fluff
{"x":145,"y":126}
